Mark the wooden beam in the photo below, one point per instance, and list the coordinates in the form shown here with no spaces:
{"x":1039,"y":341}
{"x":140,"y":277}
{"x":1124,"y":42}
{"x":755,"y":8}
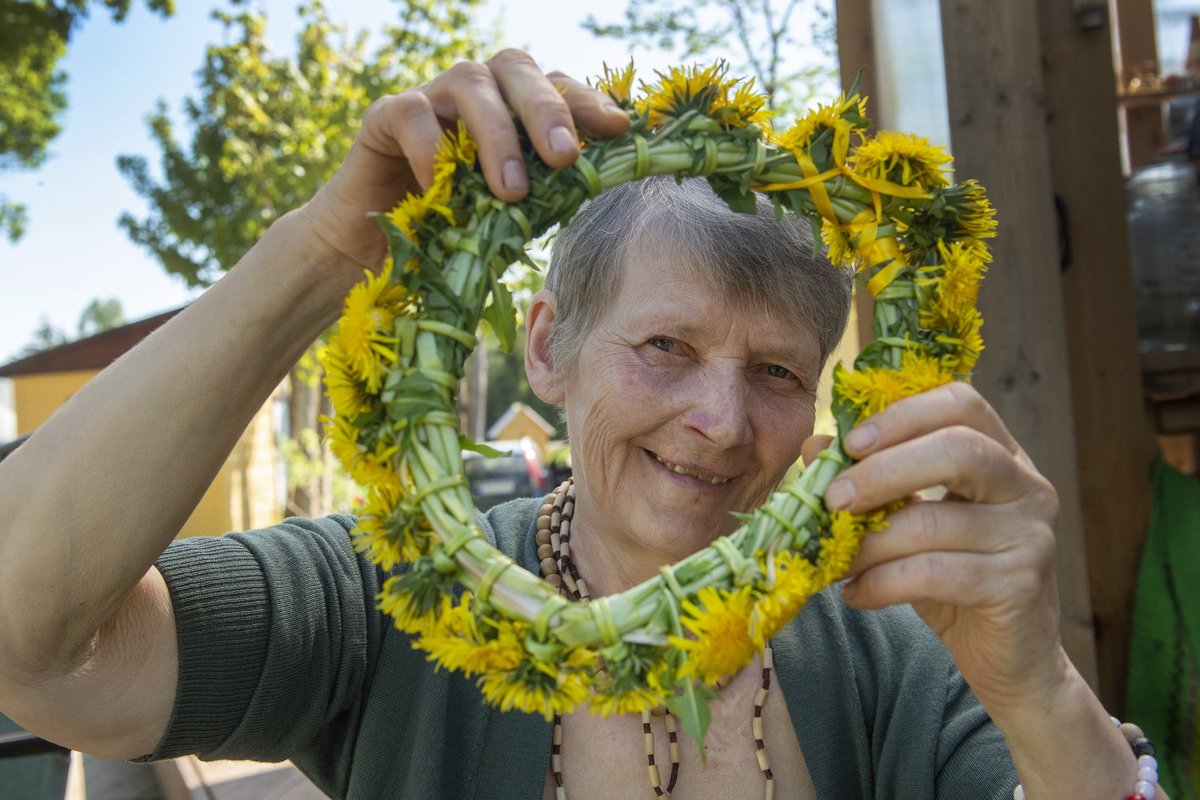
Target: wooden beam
{"x":856,"y":58}
{"x":998,"y":134}
{"x":1114,"y":444}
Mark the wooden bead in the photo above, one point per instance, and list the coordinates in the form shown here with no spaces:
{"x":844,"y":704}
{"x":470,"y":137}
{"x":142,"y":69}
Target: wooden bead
{"x":545,"y":550}
{"x":760,"y":697}
{"x":763,"y":763}
{"x":554,"y":580}
{"x":543,"y":536}
{"x":549,"y":566}
{"x":543,"y":523}
{"x":564,"y":530}
{"x":756,"y":726}
{"x":659,"y":711}
{"x":568,"y":509}
{"x":564,"y":548}
{"x":555,"y":519}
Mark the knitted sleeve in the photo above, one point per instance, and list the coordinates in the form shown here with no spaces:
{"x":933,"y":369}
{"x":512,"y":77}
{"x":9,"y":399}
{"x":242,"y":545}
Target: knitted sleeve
{"x":275,"y":640}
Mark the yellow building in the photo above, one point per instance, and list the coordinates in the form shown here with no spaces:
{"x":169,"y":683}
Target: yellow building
{"x":249,"y":490}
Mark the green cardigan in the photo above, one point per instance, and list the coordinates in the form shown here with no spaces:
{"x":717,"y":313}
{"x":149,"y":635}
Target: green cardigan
{"x":283,"y":656}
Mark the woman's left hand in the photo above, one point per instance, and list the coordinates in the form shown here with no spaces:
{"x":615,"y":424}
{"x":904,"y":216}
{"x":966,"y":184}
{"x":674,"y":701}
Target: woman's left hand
{"x":977,"y":565}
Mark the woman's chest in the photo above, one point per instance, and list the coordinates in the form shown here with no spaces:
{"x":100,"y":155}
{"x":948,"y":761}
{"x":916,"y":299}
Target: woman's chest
{"x":606,"y":758}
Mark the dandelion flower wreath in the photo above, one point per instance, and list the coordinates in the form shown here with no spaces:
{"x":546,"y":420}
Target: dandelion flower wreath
{"x":883,"y":205}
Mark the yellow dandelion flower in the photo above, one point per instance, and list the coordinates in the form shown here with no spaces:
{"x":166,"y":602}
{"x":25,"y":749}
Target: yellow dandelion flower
{"x":869,"y":390}
{"x":963,"y":268}
{"x":744,"y":108}
{"x":840,"y":249}
{"x":974,"y":212}
{"x":375,"y":534}
{"x":404,"y":609}
{"x":345,"y":391}
{"x":456,"y":147}
{"x":456,"y":640}
{"x":964,"y":339}
{"x":618,"y":84}
{"x":683,"y":89}
{"x":823,"y":117}
{"x":794,"y":583}
{"x":609,"y":700}
{"x":365,"y":467}
{"x":538,"y":688}
{"x":902,"y":158}
{"x":873,"y":389}
{"x":920,"y":373}
{"x":721,"y":625}
{"x":839,"y":548}
{"x":365,"y":332}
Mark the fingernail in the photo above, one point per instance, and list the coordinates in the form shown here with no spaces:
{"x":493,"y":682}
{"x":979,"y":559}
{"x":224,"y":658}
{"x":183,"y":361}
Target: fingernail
{"x":513,"y":175}
{"x":862,"y":438}
{"x":562,"y":140}
{"x":840,"y":494}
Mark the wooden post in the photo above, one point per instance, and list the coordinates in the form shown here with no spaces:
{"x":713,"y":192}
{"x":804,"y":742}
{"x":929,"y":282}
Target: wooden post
{"x":1114,"y":442}
{"x":1137,"y":51}
{"x":856,"y":58}
{"x":998,"y":133}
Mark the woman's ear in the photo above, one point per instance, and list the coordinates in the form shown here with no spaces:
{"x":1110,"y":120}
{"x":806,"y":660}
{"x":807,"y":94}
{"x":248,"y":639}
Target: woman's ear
{"x":544,"y":379}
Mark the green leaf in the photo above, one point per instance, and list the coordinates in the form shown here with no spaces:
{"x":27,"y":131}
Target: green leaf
{"x":467,"y":443}
{"x":690,"y":707}
{"x":501,"y":315}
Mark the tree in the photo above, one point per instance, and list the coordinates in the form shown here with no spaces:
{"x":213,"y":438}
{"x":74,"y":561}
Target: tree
{"x":769,"y":34}
{"x":33,"y":38}
{"x":98,"y":316}
{"x":266,"y":131}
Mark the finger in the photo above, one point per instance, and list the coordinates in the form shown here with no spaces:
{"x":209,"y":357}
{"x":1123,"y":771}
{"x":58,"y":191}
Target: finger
{"x":404,"y":125}
{"x":965,"y":461}
{"x":539,"y":105}
{"x":951,"y":526}
{"x":593,"y":111}
{"x":469,"y":91}
{"x":953,"y":404}
{"x":961,"y":579}
{"x":813,"y":446}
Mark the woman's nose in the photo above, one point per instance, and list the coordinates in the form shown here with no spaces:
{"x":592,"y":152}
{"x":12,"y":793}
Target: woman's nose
{"x":719,"y":406}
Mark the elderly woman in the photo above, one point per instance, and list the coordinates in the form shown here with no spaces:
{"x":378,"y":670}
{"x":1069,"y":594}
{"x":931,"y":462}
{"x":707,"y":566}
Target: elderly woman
{"x":683,"y":343}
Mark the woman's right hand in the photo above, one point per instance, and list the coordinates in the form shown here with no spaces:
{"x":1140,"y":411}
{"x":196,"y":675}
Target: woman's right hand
{"x":393,"y":153}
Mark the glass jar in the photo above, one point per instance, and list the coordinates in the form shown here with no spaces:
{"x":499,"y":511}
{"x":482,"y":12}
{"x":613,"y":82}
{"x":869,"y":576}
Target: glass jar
{"x":1164,"y":239}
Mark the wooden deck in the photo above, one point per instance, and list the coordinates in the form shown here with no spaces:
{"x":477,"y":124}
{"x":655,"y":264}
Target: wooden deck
{"x":185,"y":779}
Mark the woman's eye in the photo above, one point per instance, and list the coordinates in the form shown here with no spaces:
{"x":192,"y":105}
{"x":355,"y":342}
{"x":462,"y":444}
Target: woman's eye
{"x":663,"y":343}
{"x":776,"y":371}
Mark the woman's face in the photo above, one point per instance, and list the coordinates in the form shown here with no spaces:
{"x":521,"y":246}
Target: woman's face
{"x":681,"y":408}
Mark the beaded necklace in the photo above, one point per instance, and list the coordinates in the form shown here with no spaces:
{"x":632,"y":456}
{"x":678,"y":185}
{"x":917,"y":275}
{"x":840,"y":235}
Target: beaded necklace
{"x":560,"y":571}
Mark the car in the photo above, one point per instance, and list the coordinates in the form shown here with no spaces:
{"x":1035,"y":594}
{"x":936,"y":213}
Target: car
{"x":519,"y":472}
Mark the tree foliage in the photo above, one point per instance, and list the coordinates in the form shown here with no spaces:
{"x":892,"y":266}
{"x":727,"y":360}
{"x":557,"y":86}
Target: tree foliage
{"x":262,"y":134}
{"x":98,"y":316}
{"x":33,"y":39}
{"x":787,"y":45}
{"x":267,"y":130}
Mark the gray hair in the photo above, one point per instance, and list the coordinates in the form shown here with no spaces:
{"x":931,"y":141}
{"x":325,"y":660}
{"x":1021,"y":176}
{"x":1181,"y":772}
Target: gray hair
{"x":764,"y":264}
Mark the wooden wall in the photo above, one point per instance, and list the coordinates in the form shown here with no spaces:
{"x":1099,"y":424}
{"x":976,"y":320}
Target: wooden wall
{"x":1033,"y":115}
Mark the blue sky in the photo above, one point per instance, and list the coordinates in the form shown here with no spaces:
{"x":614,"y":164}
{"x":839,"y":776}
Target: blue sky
{"x":73,"y":250}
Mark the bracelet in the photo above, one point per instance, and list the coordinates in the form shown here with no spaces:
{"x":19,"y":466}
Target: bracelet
{"x":1146,"y":785}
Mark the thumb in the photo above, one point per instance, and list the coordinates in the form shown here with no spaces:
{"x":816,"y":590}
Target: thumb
{"x":812,"y":446}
